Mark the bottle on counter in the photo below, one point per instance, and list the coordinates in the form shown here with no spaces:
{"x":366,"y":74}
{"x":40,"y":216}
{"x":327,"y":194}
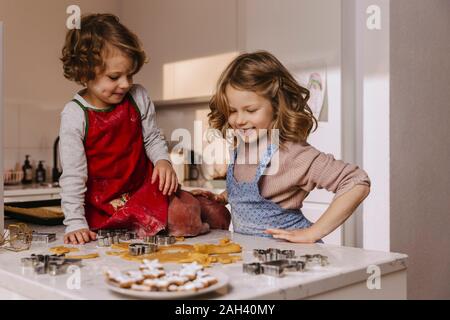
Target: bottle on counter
{"x":40,"y":172}
{"x":27,"y":171}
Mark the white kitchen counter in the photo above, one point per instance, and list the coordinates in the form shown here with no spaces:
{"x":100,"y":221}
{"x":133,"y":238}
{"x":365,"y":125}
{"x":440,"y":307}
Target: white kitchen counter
{"x":345,"y":277}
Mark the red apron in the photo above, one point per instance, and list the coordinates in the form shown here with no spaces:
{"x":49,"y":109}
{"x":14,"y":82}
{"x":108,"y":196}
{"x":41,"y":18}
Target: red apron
{"x":119,"y":190}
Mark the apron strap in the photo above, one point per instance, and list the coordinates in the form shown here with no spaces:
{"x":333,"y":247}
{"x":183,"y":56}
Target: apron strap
{"x":86,"y":118}
{"x":271,"y":149}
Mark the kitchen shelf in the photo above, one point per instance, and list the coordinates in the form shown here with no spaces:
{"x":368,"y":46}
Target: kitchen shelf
{"x":183,"y":101}
{"x":30,"y":193}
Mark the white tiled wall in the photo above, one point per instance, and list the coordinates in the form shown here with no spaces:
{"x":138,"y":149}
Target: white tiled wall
{"x":29,"y":130}
{"x":32,"y":130}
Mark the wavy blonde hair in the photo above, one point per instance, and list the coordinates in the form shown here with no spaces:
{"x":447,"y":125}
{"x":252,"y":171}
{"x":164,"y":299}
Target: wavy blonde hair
{"x":262,"y":73}
{"x":85,"y":49}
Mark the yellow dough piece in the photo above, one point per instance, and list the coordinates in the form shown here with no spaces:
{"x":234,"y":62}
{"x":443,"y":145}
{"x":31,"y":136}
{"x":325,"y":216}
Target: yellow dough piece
{"x":174,"y":257}
{"x":225,"y":258}
{"x":218,"y":248}
{"x":114,"y":253}
{"x":224,"y":241}
{"x":204,"y":254}
{"x":176,"y":248}
{"x":83,"y":256}
{"x":63,"y":250}
{"x":120,"y":246}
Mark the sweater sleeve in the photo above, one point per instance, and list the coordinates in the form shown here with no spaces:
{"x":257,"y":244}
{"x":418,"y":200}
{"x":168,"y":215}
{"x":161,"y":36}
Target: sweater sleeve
{"x":322,"y":171}
{"x":74,"y":167}
{"x":155,"y":146}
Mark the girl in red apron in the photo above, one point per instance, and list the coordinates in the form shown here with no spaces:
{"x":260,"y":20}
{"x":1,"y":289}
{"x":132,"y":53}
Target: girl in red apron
{"x":124,"y":189}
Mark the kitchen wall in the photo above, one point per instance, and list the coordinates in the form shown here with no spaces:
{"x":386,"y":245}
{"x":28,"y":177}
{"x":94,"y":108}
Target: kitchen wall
{"x":178,"y":35}
{"x":176,"y":30}
{"x":420,"y":143}
{"x":189,"y":43}
{"x":35,"y":90}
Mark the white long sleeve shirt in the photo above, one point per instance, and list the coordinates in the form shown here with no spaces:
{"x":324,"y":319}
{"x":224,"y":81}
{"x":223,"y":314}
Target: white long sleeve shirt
{"x":73,"y":158}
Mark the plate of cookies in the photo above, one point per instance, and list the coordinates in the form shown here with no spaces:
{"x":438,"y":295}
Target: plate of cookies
{"x":156,"y":281}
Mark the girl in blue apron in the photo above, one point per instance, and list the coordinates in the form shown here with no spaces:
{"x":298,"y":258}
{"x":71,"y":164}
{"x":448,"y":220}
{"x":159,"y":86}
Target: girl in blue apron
{"x":255,"y":95}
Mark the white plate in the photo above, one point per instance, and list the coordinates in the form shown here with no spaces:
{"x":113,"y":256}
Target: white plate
{"x":222,"y":281}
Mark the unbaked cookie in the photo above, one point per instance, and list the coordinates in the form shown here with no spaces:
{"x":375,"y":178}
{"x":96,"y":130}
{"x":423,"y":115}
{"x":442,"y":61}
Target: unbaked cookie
{"x":63,"y":250}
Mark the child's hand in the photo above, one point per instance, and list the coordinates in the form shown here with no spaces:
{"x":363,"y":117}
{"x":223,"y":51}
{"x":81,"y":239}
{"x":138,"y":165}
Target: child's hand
{"x":297,"y":235}
{"x":168,"y":181}
{"x":220,"y":198}
{"x":81,"y":236}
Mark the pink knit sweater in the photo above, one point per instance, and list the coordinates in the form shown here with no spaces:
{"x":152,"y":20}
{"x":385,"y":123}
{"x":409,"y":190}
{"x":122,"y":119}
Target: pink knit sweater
{"x":301,"y":169}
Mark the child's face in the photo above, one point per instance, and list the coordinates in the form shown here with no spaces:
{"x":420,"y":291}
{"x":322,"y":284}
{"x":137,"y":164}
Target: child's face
{"x":249,"y":113}
{"x":110,"y":86}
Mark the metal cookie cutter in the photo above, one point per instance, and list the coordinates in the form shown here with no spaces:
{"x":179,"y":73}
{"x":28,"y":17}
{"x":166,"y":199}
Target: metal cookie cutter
{"x":43,"y":237}
{"x":273,"y":254}
{"x":150,"y":239}
{"x":138,"y":249}
{"x":160,"y":240}
{"x":274,"y":268}
{"x":107,"y":241}
{"x":121,"y":234}
{"x":104,"y":232}
{"x":316,"y":259}
{"x":294,"y":265}
{"x":252,"y":268}
{"x":49,"y":264}
{"x":128,"y":235}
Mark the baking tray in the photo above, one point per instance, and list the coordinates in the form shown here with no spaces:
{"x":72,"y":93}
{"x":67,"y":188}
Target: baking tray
{"x":38,"y":212}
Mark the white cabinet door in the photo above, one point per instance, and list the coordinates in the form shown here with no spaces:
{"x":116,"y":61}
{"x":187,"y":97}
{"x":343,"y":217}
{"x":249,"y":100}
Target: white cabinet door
{"x":313,"y":211}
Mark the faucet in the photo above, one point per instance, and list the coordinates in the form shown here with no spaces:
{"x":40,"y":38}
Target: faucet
{"x":55,"y":172}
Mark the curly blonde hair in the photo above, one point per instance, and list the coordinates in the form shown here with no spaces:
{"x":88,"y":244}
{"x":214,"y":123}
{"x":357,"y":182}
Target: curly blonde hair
{"x":262,"y":73}
{"x":84,"y":49}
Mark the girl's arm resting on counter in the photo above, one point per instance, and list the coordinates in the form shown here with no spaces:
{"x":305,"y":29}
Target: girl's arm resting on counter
{"x":339,"y":211}
{"x":336,"y":214}
{"x":320,"y":170}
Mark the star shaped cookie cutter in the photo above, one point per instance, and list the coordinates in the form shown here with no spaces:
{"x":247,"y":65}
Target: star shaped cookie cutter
{"x":272,"y":254}
{"x":274,"y":268}
{"x":275,"y":262}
